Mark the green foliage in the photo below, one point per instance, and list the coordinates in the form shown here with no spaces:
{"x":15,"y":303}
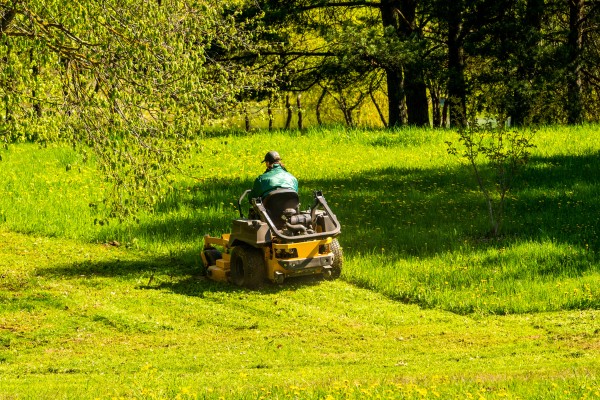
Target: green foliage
{"x":132,"y":83}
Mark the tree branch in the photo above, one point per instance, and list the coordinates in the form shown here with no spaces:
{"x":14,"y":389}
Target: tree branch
{"x":342,"y":4}
{"x":279,"y":53}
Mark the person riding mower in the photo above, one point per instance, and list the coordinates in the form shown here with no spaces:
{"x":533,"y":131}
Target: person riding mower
{"x":276,"y":241}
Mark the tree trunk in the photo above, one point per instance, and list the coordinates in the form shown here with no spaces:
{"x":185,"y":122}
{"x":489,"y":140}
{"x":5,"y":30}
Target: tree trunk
{"x":575,"y":46}
{"x":270,"y":114}
{"x":35,"y":72}
{"x":247,"y":121}
{"x":318,"y":107}
{"x":393,"y":73}
{"x":457,"y":92}
{"x":299,"y":104}
{"x":8,"y":82}
{"x":436,"y":111}
{"x":445,"y":119}
{"x":415,"y":90}
{"x":381,"y":116}
{"x":520,"y":109}
{"x":345,"y":109}
{"x":401,"y":15}
{"x":288,"y":106}
{"x":348,"y":117}
{"x":395,"y":97}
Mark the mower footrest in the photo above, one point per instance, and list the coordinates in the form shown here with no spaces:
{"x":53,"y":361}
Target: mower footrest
{"x":217,"y":273}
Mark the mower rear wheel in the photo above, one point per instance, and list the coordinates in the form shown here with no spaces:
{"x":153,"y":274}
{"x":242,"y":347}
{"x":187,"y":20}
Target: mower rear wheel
{"x":338,"y":259}
{"x":247,"y":267}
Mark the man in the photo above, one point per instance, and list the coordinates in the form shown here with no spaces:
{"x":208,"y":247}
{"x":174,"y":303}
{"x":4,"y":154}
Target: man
{"x":275,"y":177}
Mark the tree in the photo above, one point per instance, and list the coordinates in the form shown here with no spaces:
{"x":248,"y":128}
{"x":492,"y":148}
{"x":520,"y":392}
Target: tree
{"x":574,"y":62}
{"x":461,"y":24}
{"x":522,"y":97}
{"x":131,"y":81}
{"x":457,"y":91}
{"x":531,"y":60}
{"x":308,"y":37}
{"x":590,"y":60}
{"x":401,"y":16}
{"x":495,"y":156}
{"x":537,"y":61}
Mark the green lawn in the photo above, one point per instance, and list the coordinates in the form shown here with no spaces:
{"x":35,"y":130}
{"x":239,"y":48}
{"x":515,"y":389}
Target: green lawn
{"x":94,"y":321}
{"x":427,"y":306}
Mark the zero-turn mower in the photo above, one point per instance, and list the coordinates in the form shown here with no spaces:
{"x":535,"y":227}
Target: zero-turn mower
{"x":276,"y":241}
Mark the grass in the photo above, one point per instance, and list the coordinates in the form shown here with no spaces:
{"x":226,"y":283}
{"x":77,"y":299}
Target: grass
{"x":427,"y":305}
{"x":95,"y":321}
{"x":413,"y":222}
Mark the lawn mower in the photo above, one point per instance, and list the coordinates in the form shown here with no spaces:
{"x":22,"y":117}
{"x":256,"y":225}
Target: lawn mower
{"x":276,"y":241}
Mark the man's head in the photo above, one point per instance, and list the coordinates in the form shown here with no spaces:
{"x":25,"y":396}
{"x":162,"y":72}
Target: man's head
{"x":271,"y":157}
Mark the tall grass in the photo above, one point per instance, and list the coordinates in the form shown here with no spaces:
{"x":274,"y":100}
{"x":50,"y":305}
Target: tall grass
{"x":413,"y":223}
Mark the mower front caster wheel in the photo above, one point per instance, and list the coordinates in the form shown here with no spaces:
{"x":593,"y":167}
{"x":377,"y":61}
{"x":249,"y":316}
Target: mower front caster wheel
{"x":211,"y":256}
{"x":338,"y":260}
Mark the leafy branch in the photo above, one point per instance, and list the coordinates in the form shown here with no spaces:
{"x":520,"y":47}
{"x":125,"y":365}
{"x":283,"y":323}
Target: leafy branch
{"x":132,"y":83}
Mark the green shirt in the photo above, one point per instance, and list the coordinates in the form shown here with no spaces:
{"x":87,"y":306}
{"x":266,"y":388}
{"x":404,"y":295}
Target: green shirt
{"x":275,"y":178}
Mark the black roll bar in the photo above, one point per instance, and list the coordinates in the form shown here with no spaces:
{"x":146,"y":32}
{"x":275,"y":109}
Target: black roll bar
{"x":240,"y":202}
{"x":319,"y":200}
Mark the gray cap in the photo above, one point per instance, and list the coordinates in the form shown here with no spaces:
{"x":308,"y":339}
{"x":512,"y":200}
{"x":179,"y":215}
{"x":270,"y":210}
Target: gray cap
{"x":271,"y":157}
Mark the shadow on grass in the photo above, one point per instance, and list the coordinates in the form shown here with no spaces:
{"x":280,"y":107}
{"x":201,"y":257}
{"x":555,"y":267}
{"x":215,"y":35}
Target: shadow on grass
{"x":164,"y":274}
{"x":399,"y":212}
{"x":197,"y":286}
{"x":414,"y":212}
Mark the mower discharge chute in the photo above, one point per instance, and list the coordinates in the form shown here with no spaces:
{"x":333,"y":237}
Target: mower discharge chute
{"x":276,"y":241}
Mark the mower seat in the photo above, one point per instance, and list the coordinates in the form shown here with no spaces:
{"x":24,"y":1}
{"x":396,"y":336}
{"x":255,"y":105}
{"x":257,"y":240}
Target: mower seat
{"x":279,"y":200}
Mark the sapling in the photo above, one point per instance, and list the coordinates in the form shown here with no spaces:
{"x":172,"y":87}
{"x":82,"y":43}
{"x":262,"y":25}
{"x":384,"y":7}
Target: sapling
{"x":496,"y":155}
